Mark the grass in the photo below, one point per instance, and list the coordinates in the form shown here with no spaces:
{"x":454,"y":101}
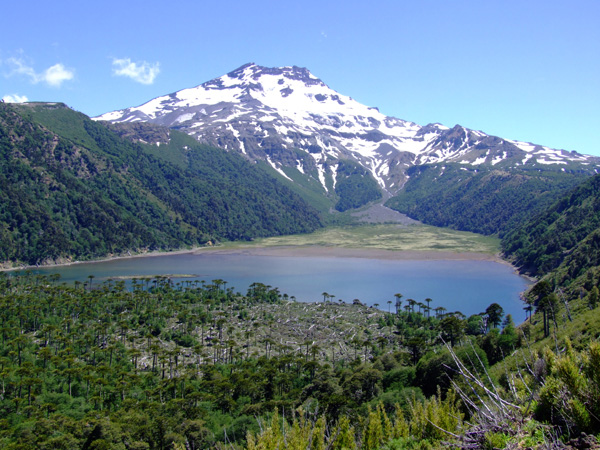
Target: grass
{"x":391,"y":237}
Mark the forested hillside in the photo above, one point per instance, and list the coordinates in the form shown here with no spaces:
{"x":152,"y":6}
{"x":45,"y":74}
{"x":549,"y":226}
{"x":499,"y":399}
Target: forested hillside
{"x":561,"y":248}
{"x":72,"y":189}
{"x":482,"y":200}
{"x":558,"y":233}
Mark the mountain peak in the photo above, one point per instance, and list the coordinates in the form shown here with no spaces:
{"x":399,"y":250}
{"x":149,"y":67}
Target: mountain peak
{"x":254,"y":72}
{"x":290,"y":119}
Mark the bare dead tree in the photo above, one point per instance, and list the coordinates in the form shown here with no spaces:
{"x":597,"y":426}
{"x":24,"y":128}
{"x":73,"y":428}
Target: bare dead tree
{"x":492,"y":410}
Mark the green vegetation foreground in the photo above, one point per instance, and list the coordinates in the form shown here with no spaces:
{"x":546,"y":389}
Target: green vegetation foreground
{"x":158,"y":365}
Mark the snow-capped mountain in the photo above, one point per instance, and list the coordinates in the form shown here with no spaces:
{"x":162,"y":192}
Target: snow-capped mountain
{"x":295,"y":122}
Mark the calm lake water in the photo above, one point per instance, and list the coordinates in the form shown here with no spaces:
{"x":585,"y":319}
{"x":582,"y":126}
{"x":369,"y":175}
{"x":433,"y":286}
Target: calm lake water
{"x":466,"y":286}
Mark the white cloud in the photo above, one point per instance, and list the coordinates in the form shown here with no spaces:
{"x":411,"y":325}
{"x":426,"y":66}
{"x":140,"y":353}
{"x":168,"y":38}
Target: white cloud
{"x":57,"y":74}
{"x":15,"y":98}
{"x":53,"y":76}
{"x":142,"y":72}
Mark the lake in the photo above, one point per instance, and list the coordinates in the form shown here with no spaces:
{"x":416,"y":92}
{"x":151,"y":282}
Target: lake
{"x":458,"y":285}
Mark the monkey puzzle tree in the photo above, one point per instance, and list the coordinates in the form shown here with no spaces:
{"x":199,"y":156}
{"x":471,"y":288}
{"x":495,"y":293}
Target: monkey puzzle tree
{"x":452,"y":329}
{"x":398,"y":302}
{"x":495,"y":314}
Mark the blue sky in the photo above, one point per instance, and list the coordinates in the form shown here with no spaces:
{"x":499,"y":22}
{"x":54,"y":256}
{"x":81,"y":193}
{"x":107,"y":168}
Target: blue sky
{"x":526,"y":70}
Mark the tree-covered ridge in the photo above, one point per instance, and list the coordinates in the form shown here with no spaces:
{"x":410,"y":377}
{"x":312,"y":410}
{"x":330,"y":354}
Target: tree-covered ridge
{"x":354,"y":186}
{"x":161,"y":364}
{"x":73,"y":189}
{"x":563,"y":233}
{"x":481,"y":199}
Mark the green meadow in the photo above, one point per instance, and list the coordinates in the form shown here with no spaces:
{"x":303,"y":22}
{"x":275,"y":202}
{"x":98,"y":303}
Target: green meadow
{"x":390,"y":237}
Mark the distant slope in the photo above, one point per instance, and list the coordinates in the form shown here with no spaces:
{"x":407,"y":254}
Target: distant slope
{"x":70,"y":188}
{"x":483,"y":200}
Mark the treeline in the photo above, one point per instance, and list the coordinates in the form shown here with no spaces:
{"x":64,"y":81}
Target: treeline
{"x":554,"y":383}
{"x":482,"y":200}
{"x":70,"y":188}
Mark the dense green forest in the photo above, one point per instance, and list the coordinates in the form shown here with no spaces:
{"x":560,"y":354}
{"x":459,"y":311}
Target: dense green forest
{"x":70,"y":188}
{"x":482,"y":199}
{"x":558,"y":233}
{"x":354,"y":186}
{"x":173,"y":363}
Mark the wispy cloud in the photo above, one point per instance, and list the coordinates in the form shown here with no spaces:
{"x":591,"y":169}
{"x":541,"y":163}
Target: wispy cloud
{"x":54,"y":76}
{"x":15,"y":98}
{"x":142,"y":72}
{"x":19,"y":67}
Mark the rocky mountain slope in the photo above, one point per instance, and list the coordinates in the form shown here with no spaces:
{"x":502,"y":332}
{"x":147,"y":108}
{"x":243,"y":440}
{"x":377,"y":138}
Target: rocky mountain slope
{"x":292,"y":120}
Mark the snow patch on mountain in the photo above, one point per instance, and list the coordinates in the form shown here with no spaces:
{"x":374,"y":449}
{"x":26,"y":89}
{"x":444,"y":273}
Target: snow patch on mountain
{"x":321,"y":175}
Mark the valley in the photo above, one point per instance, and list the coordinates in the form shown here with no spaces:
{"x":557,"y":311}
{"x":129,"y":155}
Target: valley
{"x":268,"y":173}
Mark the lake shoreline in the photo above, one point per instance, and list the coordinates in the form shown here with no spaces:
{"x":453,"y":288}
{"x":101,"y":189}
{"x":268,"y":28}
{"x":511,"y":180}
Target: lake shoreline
{"x":466,"y":281}
{"x":299,"y":251}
